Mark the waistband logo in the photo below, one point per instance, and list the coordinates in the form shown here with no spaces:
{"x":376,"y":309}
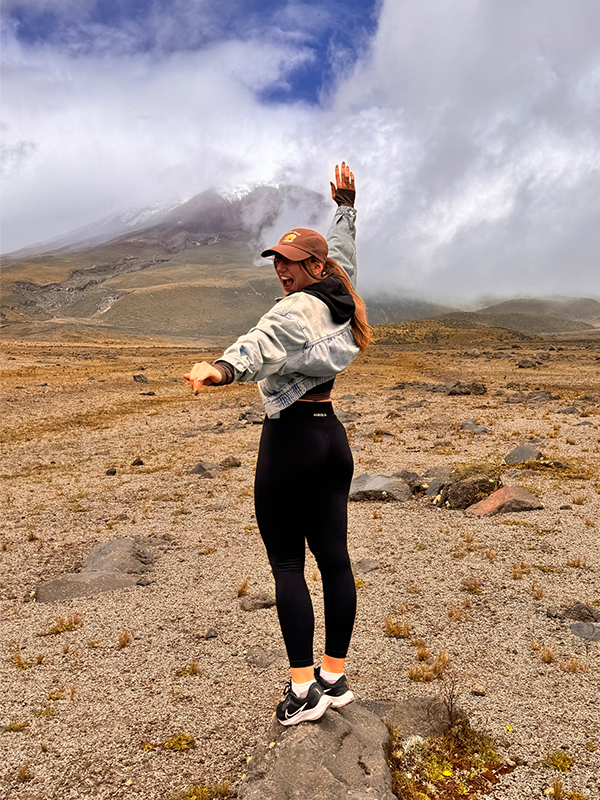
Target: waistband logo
{"x":319,"y":415}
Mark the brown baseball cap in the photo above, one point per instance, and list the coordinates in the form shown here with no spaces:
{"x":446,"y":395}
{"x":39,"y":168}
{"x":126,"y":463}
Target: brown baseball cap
{"x":298,"y":244}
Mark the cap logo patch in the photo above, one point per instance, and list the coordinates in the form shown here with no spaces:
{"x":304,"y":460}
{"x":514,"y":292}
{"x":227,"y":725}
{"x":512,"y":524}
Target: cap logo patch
{"x":289,"y":237}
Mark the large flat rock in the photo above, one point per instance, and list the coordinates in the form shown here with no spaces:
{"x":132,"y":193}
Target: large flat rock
{"x":369,"y":486}
{"x":339,"y":757}
{"x":83,"y":584}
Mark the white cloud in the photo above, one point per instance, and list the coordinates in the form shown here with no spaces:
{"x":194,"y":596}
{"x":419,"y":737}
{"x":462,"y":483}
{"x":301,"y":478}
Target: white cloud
{"x":471,"y":125}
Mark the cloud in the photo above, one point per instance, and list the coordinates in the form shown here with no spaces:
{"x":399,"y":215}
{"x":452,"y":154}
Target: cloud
{"x":472,"y":128}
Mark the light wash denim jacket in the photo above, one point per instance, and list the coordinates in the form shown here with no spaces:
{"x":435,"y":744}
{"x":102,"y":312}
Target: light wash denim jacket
{"x":296,"y":345}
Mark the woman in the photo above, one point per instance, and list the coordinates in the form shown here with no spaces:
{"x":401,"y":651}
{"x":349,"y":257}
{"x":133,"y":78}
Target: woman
{"x":304,"y":464}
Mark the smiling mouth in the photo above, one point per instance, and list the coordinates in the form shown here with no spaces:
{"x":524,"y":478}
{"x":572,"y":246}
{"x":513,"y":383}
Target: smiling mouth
{"x":286,"y":282}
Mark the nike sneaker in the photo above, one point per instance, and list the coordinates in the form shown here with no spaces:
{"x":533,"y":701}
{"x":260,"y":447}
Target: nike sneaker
{"x":294,"y":709}
{"x":338,"y":692}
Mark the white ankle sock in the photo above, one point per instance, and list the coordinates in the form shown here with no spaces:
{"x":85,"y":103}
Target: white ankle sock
{"x":301,"y":689}
{"x":330,"y":677}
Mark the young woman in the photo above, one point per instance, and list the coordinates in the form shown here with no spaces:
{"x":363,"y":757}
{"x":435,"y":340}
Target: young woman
{"x":304,"y":464}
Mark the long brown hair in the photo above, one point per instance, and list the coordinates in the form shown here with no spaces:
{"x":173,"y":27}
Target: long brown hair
{"x":363,"y":332}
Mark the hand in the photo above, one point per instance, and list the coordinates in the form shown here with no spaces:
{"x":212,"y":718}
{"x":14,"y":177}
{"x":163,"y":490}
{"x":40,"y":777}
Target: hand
{"x":343,"y":191}
{"x":203,"y":373}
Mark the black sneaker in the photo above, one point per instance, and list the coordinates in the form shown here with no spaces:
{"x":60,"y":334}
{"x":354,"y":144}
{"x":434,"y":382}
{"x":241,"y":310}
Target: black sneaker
{"x":296,"y":709}
{"x":339,"y":692}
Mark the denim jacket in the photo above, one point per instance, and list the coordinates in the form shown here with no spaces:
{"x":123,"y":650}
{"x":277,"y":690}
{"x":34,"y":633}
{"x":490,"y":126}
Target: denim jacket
{"x":296,"y":345}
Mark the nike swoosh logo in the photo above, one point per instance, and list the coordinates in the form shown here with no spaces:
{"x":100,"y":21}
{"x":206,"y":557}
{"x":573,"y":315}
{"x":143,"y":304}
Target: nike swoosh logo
{"x":289,"y":716}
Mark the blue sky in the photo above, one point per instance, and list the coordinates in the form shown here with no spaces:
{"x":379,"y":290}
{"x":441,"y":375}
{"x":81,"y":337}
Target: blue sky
{"x":472,"y":125}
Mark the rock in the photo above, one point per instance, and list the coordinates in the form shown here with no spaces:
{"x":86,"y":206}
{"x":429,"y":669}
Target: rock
{"x":472,"y":426}
{"x":526,"y":363}
{"x":254,"y":602}
{"x":211,"y":634}
{"x":255,"y":415}
{"x":137,"y":462}
{"x":204,"y":469}
{"x":83,"y":584}
{"x":582,"y":613}
{"x":467,"y":388}
{"x":473,"y":353}
{"x":539,"y":397}
{"x":522,"y":453}
{"x":434,"y":487}
{"x":518,"y":397}
{"x":478,"y":690}
{"x":111,"y":471}
{"x":369,"y":486}
{"x":505,"y":500}
{"x":347,"y":398}
{"x":346,"y":416}
{"x":148,"y":394}
{"x":366,"y":565}
{"x":441,"y":471}
{"x":231,"y":462}
{"x":341,"y":756}
{"x":464,"y":493}
{"x":140,"y":379}
{"x":120,"y":555}
{"x":568,"y":410}
{"x":414,"y":404}
{"x":565,"y":508}
{"x":259,"y":657}
{"x":586,"y":631}
{"x":414,"y":480}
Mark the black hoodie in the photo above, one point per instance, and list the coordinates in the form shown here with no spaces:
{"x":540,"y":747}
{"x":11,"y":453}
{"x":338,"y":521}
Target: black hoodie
{"x":335,"y":296}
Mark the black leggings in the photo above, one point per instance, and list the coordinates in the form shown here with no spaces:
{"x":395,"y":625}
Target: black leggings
{"x":301,"y":490}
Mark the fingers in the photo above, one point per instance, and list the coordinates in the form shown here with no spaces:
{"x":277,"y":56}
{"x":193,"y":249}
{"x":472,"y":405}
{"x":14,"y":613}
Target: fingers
{"x":198,"y":375}
{"x":344,"y":179}
{"x":333,"y":189}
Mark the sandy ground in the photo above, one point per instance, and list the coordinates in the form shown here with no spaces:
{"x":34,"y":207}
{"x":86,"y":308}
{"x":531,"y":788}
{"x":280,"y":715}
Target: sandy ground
{"x":80,"y":719}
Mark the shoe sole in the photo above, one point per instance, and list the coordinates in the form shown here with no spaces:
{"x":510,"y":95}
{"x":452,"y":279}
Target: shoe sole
{"x":342,"y":700}
{"x":311,"y":715}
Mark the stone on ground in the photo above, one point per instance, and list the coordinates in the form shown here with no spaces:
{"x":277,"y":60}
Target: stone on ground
{"x":341,"y":756}
{"x":254,"y":602}
{"x":206,"y":470}
{"x":523,"y":452}
{"x":463,"y":493}
{"x":505,"y":500}
{"x":369,"y":486}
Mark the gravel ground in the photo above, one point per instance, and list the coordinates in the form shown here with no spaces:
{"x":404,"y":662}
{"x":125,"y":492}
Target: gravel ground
{"x":109,"y":703}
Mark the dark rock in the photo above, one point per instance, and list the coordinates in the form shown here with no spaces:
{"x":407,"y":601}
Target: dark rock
{"x":472,"y":426}
{"x":259,"y":657}
{"x":580,"y":424}
{"x":441,"y":471}
{"x":505,"y":500}
{"x":137,"y":462}
{"x":255,"y":415}
{"x":522,"y":453}
{"x":146,"y":580}
{"x":120,"y":555}
{"x":539,"y":397}
{"x":434,"y":487}
{"x":473,"y":353}
{"x":148,"y":394}
{"x":568,"y":410}
{"x":346,"y":416}
{"x":347,"y":398}
{"x":340,"y":756}
{"x":527,"y":363}
{"x":206,"y":470}
{"x":464,"y":493}
{"x":231,"y":462}
{"x":366,"y":565}
{"x":393,"y":414}
{"x":566,"y":508}
{"x":518,"y":397}
{"x":369,"y":486}
{"x":582,"y":613}
{"x":414,"y":404}
{"x":254,"y":602}
{"x":111,"y":471}
{"x":414,"y":480}
{"x":211,"y":634}
{"x":467,"y":388}
{"x":140,"y":379}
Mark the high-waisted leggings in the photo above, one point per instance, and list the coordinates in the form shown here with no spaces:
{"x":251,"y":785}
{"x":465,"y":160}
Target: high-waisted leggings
{"x":302,"y":482}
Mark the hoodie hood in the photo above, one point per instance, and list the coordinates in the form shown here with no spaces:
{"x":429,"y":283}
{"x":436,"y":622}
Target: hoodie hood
{"x":335,"y":296}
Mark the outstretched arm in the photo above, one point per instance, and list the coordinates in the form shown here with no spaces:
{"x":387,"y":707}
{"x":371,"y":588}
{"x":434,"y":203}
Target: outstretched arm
{"x":341,"y":236}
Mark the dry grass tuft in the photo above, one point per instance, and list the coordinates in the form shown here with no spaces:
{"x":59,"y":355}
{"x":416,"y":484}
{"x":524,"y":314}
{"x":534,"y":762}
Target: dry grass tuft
{"x":15,"y":726}
{"x":547,"y":655}
{"x":519,"y":570}
{"x":200,"y":791}
{"x":490,"y":555}
{"x":63,"y":624}
{"x":574,"y":665}
{"x":242,"y":589}
{"x":559,"y":760}
{"x":124,"y":639}
{"x":470,"y":585}
{"x":577,"y":563}
{"x":536,"y":591}
{"x":24,"y":773}
{"x":396,"y":630}
{"x":181,"y":741}
{"x":424,"y":673}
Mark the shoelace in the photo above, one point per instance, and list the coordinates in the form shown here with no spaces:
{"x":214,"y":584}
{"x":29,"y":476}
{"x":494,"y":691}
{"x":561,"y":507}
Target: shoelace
{"x":287,"y":688}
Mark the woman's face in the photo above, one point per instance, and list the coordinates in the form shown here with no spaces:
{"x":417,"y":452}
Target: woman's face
{"x":292,"y":276}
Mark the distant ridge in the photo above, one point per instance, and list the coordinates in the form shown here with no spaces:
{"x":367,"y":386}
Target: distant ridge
{"x":574,"y":308}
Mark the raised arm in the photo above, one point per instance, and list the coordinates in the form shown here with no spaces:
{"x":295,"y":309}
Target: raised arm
{"x":341,"y":236}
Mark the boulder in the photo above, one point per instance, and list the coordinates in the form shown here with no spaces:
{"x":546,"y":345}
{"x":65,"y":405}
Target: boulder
{"x":206,"y":470}
{"x":340,"y":756}
{"x":255,"y":415}
{"x":505,"y":500}
{"x":568,"y":410}
{"x":369,"y":486}
{"x":231,"y":462}
{"x":413,"y":479}
{"x":472,"y":426}
{"x":112,"y":565}
{"x":523,"y":452}
{"x":467,"y":388}
{"x":463,"y":493}
{"x":140,"y":379}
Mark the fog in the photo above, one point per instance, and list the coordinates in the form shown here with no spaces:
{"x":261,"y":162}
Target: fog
{"x":472,"y":127}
